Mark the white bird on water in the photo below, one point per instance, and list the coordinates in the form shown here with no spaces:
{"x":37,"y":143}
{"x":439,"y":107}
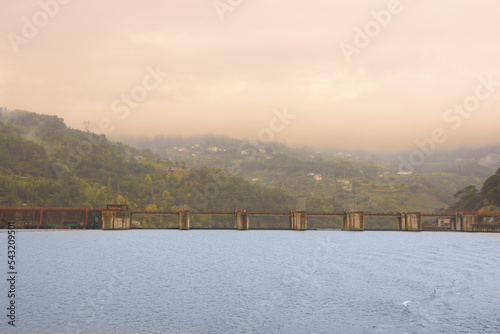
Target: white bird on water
{"x":406,"y":303}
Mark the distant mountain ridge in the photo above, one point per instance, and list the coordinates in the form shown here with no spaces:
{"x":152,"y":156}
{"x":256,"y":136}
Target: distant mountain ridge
{"x":486,"y":156}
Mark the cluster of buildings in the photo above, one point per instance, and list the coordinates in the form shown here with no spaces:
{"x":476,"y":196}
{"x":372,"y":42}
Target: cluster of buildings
{"x":247,"y":152}
{"x":197,"y":147}
{"x":347,"y":184}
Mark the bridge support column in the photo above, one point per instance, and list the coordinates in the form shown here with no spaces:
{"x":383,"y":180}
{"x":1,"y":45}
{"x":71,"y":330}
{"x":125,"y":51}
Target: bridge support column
{"x":410,"y":221}
{"x":464,"y":222}
{"x":184,"y":220}
{"x":241,"y":221}
{"x":354,"y":221}
{"x":454,"y":224}
{"x":298,"y":220}
{"x":116,"y":219}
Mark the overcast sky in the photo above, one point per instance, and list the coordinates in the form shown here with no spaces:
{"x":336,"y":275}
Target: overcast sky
{"x":364,"y":74}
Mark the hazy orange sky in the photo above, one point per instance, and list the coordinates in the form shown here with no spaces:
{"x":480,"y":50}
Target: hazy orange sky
{"x":358,"y":74}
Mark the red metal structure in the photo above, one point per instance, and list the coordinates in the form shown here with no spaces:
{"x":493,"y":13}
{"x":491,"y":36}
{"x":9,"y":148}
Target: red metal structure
{"x":14,"y":212}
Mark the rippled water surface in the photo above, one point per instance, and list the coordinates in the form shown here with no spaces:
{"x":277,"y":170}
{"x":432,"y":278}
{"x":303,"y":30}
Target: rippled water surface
{"x":206,"y":281}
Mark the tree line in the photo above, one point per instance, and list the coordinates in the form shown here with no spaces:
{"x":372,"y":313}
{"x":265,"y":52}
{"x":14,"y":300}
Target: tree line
{"x":471,"y":198}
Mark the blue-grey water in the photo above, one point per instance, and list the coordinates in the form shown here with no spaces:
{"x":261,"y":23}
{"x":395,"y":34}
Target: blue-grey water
{"x":207,"y":281}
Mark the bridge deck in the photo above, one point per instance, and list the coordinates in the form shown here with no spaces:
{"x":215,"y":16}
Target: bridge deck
{"x":252,"y":213}
{"x":312,"y":213}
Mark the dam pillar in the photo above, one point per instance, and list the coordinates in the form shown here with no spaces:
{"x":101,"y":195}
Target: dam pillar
{"x":464,"y":222}
{"x":453,"y":224}
{"x":410,"y":221}
{"x":184,"y":219}
{"x":298,"y":220}
{"x":116,"y":218}
{"x":354,"y":221}
{"x":241,"y":220}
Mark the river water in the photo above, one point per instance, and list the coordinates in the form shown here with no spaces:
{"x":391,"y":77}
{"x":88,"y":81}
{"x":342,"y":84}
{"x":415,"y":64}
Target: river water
{"x":208,"y":281}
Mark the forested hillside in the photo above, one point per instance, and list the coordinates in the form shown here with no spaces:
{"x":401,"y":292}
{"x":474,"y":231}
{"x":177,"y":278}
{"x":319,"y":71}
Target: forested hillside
{"x":471,"y":198}
{"x":45,"y":163}
{"x":341,"y":180}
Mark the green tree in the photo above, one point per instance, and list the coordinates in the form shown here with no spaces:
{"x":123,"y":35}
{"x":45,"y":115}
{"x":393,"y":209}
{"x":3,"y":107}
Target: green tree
{"x":491,"y":189}
{"x":167,"y":199}
{"x":469,"y":199}
{"x":5,"y":159}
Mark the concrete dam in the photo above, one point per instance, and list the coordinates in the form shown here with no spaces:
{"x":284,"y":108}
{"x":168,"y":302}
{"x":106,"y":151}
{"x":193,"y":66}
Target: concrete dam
{"x":120,"y":217}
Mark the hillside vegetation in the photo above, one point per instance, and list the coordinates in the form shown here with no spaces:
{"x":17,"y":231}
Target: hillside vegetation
{"x":341,"y":180}
{"x":45,"y":163}
{"x":471,"y":198}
